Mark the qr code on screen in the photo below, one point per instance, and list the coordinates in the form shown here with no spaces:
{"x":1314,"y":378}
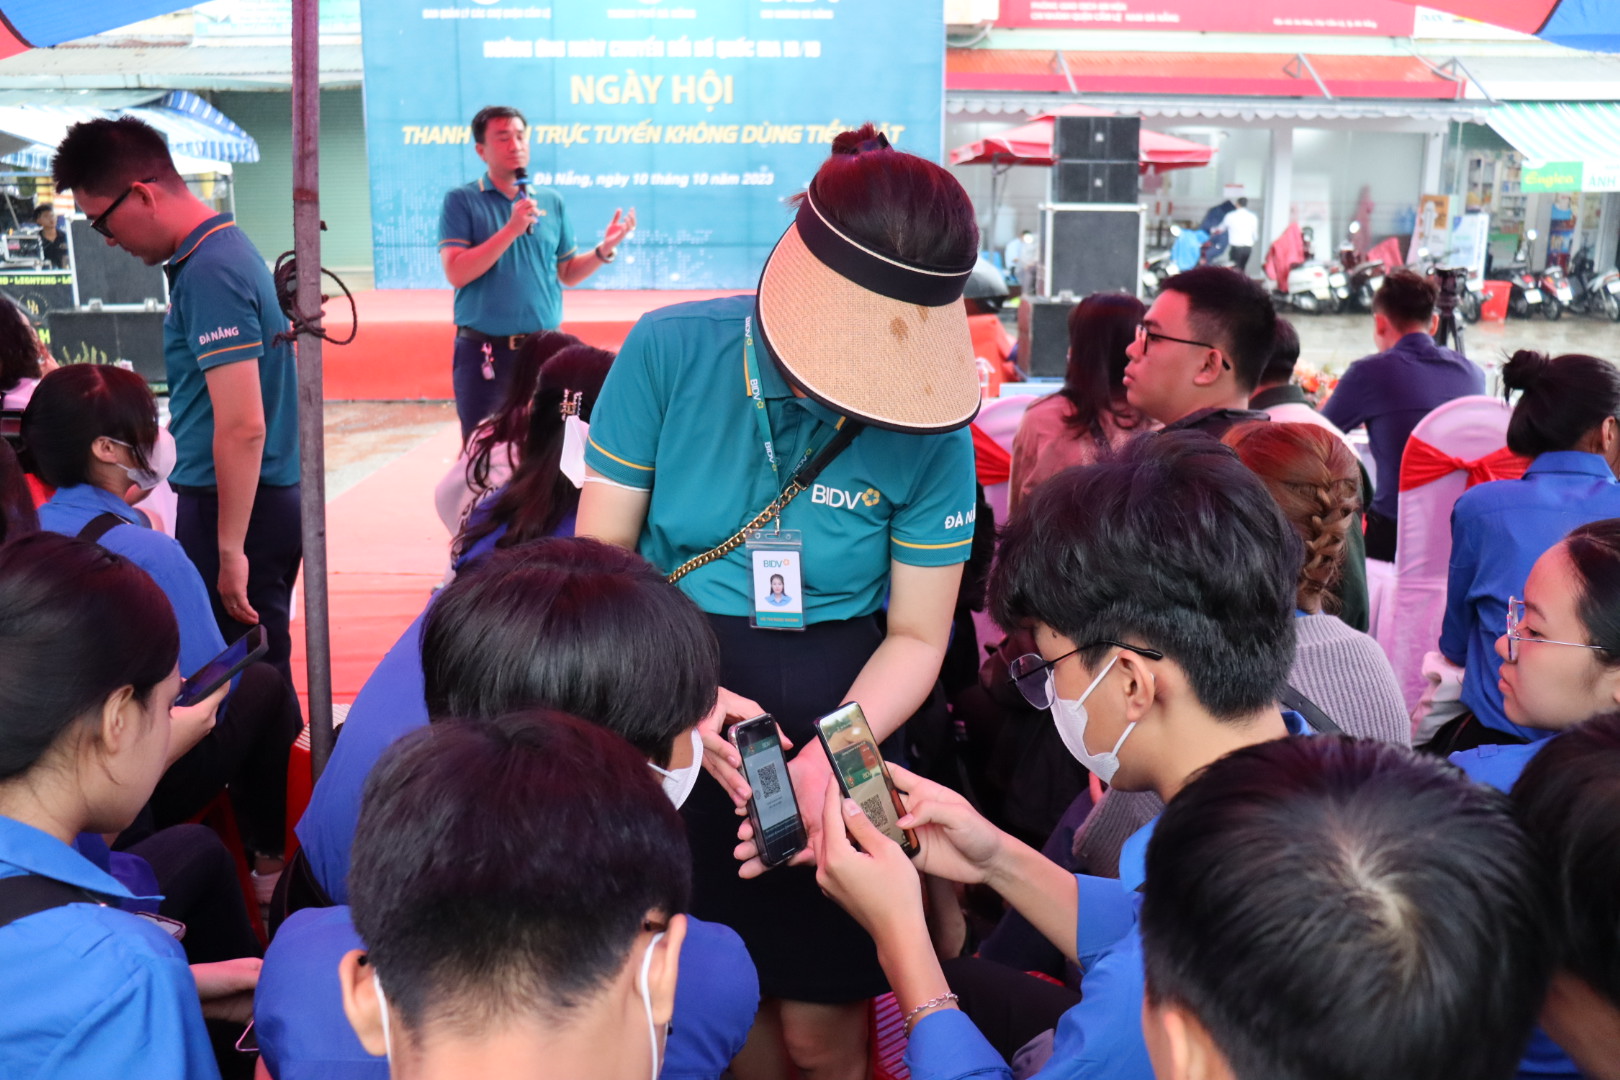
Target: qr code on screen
{"x":769,"y":782}
{"x":875,"y":810}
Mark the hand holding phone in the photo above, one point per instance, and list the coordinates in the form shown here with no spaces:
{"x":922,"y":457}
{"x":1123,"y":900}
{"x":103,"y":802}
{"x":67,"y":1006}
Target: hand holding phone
{"x":773,"y":810}
{"x":861,"y":773}
{"x":224,"y":667}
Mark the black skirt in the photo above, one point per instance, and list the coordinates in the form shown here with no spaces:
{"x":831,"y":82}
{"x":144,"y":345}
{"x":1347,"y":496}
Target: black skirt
{"x":805,"y":946}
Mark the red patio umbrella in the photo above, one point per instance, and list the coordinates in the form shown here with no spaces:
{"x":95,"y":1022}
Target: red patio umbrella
{"x":1031,"y":144}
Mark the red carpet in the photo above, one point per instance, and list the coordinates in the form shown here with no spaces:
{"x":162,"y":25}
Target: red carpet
{"x":403,"y":349}
{"x":386,"y":549}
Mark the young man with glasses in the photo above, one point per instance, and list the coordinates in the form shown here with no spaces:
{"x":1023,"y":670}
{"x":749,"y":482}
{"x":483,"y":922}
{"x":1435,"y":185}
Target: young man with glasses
{"x":233,"y":386}
{"x":1200,"y":351}
{"x":1160,"y":590}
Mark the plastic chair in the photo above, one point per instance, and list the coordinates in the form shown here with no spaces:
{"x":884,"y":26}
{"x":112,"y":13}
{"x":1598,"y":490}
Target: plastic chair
{"x":1410,"y":598}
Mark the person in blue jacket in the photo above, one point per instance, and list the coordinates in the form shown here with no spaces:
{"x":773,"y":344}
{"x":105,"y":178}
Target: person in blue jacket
{"x":520,"y":884}
{"x":1160,"y":589}
{"x":1561,"y":667}
{"x":87,"y":679}
{"x":1301,"y":921}
{"x":1568,"y":800}
{"x":1565,"y":419}
{"x":92,"y":433}
{"x":560,"y":623}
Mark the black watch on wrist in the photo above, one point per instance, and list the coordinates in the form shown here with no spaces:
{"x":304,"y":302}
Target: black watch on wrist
{"x":609,"y":257}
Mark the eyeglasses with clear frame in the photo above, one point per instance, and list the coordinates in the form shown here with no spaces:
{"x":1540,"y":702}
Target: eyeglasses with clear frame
{"x":1146,"y":337}
{"x":1032,"y":673}
{"x":1515,"y":619}
{"x":100,"y":221}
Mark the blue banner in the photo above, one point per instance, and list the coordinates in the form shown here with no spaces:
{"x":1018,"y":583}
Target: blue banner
{"x":704,"y":115}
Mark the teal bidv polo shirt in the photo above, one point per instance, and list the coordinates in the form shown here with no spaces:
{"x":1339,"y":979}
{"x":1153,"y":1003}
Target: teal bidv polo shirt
{"x":223,"y":310}
{"x":520,"y":293}
{"x":675,"y":417}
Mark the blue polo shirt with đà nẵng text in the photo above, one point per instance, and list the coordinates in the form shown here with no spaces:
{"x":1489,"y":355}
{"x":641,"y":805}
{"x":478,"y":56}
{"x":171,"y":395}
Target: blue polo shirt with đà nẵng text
{"x":520,"y":294}
{"x":223,"y":310}
{"x":675,"y":417}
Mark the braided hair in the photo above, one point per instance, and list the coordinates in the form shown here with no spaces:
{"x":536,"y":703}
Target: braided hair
{"x":1313,"y":476}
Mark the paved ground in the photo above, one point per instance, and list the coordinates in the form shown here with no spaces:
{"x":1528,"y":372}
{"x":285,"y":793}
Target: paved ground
{"x":363,"y":436}
{"x":1333,"y":341}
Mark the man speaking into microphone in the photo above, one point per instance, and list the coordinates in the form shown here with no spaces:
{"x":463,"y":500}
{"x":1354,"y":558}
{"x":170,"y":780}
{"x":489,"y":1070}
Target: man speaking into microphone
{"x":507,"y":249}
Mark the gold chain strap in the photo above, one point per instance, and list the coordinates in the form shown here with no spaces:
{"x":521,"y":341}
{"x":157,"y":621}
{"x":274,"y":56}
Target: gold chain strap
{"x":726,"y":547}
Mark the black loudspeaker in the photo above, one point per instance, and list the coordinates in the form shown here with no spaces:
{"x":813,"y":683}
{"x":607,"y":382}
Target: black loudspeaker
{"x":132,"y":339}
{"x":1043,"y":336}
{"x":1097,"y":138}
{"x":111,"y":275}
{"x":1092,"y":250}
{"x":1095,"y":182}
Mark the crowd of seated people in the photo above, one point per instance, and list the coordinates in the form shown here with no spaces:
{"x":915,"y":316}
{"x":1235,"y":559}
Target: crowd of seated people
{"x":530,"y":852}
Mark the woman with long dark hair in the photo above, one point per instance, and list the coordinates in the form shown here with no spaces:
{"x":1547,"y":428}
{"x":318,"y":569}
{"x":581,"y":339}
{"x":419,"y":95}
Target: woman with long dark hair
{"x":492,"y":450}
{"x":1089,"y":416}
{"x":1568,"y":419}
{"x":537,"y":499}
{"x":23,"y":360}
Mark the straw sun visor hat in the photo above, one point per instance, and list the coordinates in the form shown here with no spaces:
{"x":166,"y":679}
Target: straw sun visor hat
{"x":864,"y":333}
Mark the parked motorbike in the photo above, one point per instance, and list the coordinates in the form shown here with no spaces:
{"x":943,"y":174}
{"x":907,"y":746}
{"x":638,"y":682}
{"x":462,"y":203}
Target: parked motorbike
{"x":1159,"y":267}
{"x":1555,"y":291}
{"x":1314,"y":288}
{"x":1594,"y":292}
{"x":1363,"y":276}
{"x":1526,"y":296}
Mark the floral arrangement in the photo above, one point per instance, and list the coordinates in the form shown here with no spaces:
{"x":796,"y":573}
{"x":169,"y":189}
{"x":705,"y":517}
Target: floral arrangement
{"x":1317,"y":383}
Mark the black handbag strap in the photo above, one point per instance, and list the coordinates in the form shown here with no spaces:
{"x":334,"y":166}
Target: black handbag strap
{"x":29,"y":894}
{"x":101,"y":524}
{"x":1320,"y":721}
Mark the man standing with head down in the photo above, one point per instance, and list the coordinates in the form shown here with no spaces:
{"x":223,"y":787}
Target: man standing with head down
{"x":507,"y":249}
{"x":233,"y":383}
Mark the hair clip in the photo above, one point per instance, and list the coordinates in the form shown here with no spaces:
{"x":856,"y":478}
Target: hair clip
{"x":571,"y":402}
{"x":879,"y":143}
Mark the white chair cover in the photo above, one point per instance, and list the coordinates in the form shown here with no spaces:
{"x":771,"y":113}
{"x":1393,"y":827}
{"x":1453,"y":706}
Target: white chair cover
{"x":1407,"y":618}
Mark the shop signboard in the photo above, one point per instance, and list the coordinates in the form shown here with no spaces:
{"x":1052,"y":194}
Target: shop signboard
{"x":1470,"y":240}
{"x":1551,"y":176}
{"x":1364,"y":17}
{"x":1567,"y":176}
{"x":703,"y":115}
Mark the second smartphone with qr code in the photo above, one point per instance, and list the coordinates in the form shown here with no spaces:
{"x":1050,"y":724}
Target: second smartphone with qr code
{"x":772,"y":809}
{"x":861,"y":773}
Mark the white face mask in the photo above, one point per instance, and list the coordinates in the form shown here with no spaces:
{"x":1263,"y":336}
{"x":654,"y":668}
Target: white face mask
{"x":160,"y":459}
{"x":1071,"y":719}
{"x":678,"y":784}
{"x":382,"y":1005}
{"x":646,"y":1000}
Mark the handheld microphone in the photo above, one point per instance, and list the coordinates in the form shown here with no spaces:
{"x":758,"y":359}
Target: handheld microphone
{"x":521,"y":176}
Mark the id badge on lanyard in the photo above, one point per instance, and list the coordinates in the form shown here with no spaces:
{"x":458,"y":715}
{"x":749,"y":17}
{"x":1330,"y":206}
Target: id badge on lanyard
{"x":775,"y":555}
{"x":776,"y":560}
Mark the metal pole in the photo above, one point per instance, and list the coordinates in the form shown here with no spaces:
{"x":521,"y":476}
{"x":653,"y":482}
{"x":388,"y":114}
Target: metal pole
{"x":306,"y":129}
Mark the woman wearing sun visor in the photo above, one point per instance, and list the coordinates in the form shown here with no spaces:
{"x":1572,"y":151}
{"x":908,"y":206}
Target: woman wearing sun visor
{"x":816,"y":431}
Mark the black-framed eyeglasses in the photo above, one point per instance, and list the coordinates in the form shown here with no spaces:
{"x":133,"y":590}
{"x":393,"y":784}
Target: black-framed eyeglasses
{"x":1515,"y":619}
{"x":100,"y":222}
{"x":1033,"y":675}
{"x":1146,"y":337}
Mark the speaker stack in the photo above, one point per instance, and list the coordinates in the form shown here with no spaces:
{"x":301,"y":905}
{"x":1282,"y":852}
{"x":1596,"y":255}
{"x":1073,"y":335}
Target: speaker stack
{"x":1093,"y":220}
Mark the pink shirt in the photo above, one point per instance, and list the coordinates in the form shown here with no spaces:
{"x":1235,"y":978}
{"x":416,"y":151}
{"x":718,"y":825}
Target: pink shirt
{"x":1046,"y":445}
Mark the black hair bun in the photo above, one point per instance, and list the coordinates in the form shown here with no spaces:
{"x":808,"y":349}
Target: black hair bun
{"x":1524,"y":369}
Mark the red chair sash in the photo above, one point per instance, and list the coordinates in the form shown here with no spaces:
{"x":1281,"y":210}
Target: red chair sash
{"x":993,"y":461}
{"x":1423,"y":464}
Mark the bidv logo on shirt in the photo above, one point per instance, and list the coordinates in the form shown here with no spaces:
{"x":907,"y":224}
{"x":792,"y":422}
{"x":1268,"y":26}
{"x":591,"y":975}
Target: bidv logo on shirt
{"x":844,"y":499}
{"x":218,"y":335}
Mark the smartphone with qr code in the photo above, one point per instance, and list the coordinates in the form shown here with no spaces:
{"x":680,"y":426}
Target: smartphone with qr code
{"x":861,"y":773}
{"x":772,"y":808}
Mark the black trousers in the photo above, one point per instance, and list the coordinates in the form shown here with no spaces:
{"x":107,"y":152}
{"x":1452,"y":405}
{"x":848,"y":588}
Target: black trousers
{"x":1007,"y":1006}
{"x":246,"y":754}
{"x":1240,"y":257}
{"x":476,"y":396}
{"x":200,"y":888}
{"x":1380,"y":536}
{"x":274,"y":546}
